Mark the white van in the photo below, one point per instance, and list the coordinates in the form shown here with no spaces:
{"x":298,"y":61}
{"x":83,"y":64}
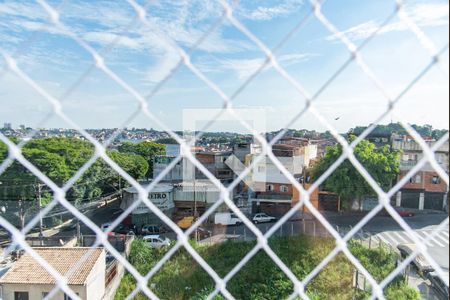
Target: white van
{"x":227,"y":218}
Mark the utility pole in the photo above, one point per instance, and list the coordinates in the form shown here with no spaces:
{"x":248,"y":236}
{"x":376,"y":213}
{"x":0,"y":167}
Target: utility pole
{"x":78,"y":233}
{"x":39,"y":194}
{"x":120,"y":187}
{"x":195,"y":213}
{"x":303,"y":184}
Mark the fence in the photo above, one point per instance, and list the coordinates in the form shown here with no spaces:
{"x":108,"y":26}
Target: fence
{"x":141,"y":17}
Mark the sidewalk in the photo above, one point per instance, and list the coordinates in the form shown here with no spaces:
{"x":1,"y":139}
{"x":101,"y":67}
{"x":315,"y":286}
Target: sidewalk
{"x":354,"y":213}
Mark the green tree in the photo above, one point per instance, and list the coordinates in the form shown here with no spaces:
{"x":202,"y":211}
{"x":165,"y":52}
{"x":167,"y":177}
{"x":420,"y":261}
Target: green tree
{"x":381,"y":163}
{"x":61,"y":158}
{"x":135,"y":165}
{"x":147,"y":149}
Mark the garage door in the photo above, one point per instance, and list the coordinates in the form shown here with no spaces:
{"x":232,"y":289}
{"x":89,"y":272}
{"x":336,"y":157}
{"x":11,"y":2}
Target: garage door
{"x":434,"y":201}
{"x":410,"y":199}
{"x":329,"y":202}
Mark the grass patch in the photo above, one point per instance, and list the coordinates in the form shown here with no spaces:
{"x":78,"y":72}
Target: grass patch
{"x":182,"y":278}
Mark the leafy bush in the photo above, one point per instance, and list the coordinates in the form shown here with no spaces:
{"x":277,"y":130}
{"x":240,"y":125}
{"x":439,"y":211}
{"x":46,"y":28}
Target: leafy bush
{"x":261,"y":279}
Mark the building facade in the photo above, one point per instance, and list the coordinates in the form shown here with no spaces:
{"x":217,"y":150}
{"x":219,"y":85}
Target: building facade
{"x":425,"y":189}
{"x":271,"y":190}
{"x":161,"y":196}
{"x":27,"y":279}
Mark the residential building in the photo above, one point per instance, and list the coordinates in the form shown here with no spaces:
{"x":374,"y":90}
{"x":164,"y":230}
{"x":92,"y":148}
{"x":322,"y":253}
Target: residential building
{"x":27,"y":279}
{"x":425,"y":189}
{"x":321,"y":200}
{"x":195,"y":196}
{"x":271,"y":190}
{"x":214,"y":162}
{"x":241,"y":150}
{"x":175,"y":174}
{"x":161,"y":195}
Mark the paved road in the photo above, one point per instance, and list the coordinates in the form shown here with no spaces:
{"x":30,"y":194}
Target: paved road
{"x":437,"y":247}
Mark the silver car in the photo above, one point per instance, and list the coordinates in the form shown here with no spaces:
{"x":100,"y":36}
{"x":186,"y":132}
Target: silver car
{"x":156,"y":241}
{"x":263,"y":218}
{"x":419,"y":261}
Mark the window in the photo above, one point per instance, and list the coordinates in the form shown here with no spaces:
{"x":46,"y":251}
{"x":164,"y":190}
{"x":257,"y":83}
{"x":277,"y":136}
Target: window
{"x":415,"y":179}
{"x":418,"y":179}
{"x":261,"y":169}
{"x":269,"y":187}
{"x":283,"y":189}
{"x":66,"y":297}
{"x":435,"y":180}
{"x":21,"y":296}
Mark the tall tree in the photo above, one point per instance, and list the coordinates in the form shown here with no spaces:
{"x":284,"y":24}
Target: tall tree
{"x":381,"y":163}
{"x":147,"y":149}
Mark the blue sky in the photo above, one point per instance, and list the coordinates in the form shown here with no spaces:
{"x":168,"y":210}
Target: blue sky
{"x":226,"y":57}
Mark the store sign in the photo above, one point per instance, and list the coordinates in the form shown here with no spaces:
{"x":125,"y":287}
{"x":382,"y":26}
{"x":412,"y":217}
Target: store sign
{"x":152,"y":196}
{"x":161,"y":203}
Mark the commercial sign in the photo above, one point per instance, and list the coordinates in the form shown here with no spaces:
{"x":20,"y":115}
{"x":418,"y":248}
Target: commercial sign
{"x":163,"y":202}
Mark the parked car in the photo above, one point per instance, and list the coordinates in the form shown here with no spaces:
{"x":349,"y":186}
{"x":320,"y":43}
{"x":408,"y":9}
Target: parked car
{"x":419,"y":261}
{"x":156,"y":240}
{"x":152,"y":229}
{"x":109,"y":257}
{"x":105,"y":226}
{"x":438,"y":285}
{"x":262,"y":218}
{"x":402,"y":211}
{"x":226,"y":218}
{"x":122,"y":229}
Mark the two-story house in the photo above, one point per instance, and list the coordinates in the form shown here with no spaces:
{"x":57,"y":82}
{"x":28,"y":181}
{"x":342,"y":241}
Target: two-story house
{"x":425,"y":189}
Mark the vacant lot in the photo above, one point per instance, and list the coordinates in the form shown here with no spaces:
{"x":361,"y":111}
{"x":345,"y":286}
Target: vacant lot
{"x":182,"y":278}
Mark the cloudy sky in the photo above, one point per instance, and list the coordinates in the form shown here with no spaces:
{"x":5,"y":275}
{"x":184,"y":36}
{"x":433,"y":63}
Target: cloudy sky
{"x":143,"y":54}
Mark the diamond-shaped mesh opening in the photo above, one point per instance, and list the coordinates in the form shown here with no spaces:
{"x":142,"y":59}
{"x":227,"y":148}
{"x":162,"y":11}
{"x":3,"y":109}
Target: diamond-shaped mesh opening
{"x":334,"y":280}
{"x":260,"y":277}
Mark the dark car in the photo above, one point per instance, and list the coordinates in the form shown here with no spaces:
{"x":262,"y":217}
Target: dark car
{"x":438,"y":285}
{"x":152,"y":229}
{"x":122,"y":229}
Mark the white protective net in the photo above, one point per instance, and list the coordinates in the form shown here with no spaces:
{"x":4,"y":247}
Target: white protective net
{"x":98,"y":62}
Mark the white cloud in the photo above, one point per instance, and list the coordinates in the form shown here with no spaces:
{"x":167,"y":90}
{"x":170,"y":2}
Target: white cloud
{"x":270,"y":11}
{"x":423,"y":14}
{"x":244,"y":68}
{"x":105,"y":38}
{"x":163,"y":66}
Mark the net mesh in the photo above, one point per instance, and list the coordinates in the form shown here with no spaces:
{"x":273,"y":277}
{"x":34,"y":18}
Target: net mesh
{"x":98,"y":62}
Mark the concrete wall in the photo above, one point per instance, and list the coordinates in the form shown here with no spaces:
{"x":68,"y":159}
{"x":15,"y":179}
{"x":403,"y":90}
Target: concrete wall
{"x":115,"y":283}
{"x":35,"y":291}
{"x":266,"y":171}
{"x":207,"y":194}
{"x":95,"y":283}
{"x":160,"y":163}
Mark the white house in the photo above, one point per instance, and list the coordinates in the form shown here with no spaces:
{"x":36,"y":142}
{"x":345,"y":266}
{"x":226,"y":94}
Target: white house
{"x":28,"y":280}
